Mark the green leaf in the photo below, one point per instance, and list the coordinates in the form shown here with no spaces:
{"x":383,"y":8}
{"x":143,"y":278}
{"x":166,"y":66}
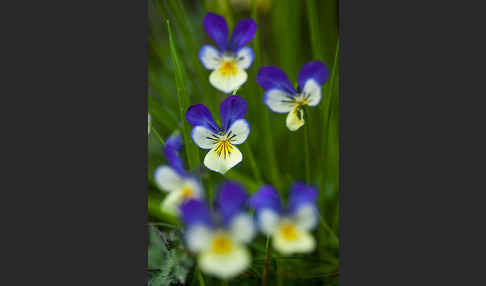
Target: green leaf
{"x":192,"y":152}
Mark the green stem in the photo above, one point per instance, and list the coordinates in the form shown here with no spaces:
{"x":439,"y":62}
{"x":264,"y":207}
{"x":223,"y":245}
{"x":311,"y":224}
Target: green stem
{"x":253,"y":164}
{"x":201,"y":278}
{"x":306,"y":151}
{"x":266,"y":265}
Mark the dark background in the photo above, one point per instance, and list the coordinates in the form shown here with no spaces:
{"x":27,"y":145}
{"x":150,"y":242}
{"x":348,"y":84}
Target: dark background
{"x":411,"y":143}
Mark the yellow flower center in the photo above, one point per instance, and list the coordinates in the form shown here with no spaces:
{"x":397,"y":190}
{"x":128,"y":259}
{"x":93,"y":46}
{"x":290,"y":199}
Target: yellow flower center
{"x":224,"y":148}
{"x":221,"y":245}
{"x":288,"y":232}
{"x":187,"y":193}
{"x":228,"y":68}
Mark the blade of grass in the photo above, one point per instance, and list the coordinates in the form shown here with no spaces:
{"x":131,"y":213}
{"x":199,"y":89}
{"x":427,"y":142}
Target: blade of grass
{"x":253,"y":164}
{"x":266,"y":130}
{"x":326,"y":115}
{"x":314,"y":29}
{"x":153,"y":130}
{"x":160,"y":114}
{"x":192,"y":152}
{"x":189,"y":36}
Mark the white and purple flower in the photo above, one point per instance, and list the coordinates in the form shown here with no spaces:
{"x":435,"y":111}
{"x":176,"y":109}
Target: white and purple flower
{"x":281,"y":97}
{"x":290,"y":229}
{"x":220,"y":239}
{"x":232,"y":57}
{"x":221,"y":141}
{"x":174,"y":179}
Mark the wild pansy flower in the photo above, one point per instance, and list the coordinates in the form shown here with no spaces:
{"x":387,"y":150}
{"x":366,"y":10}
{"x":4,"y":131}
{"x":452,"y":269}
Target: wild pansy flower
{"x":221,"y":140}
{"x":232,"y":57}
{"x":281,"y":97}
{"x":174,"y":178}
{"x":220,"y":240}
{"x":289,"y":228}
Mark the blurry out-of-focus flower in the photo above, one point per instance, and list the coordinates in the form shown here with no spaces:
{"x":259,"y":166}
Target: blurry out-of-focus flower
{"x":221,"y":141}
{"x":281,"y":97}
{"x":220,"y":240}
{"x":174,"y":178}
{"x":230,"y":60}
{"x":149,"y":122}
{"x":289,"y":228}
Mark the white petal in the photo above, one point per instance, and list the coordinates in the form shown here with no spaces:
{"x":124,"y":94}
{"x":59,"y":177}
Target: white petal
{"x":268,"y":221}
{"x":278,"y":101}
{"x":198,"y":238}
{"x":225,"y":266}
{"x":172,"y":202}
{"x":221,"y":163}
{"x":295,"y":118}
{"x":244,"y":57}
{"x":167,"y":179}
{"x":304,"y":242}
{"x":188,"y":188}
{"x":242,"y":228}
{"x":306,"y":217}
{"x":210,"y":57}
{"x":228,"y":83}
{"x":312,"y":92}
{"x":200,"y":135}
{"x":241,"y":129}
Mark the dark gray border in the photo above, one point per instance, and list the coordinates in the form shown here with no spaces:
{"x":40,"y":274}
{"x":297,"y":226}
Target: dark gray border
{"x":411,"y":212}
{"x":79,"y":144}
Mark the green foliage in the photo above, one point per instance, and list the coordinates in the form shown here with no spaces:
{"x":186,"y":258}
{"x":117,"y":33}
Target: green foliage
{"x":290,"y":33}
{"x":168,"y":262}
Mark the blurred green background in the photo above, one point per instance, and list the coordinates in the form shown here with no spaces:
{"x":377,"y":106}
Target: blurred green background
{"x":290,"y":33}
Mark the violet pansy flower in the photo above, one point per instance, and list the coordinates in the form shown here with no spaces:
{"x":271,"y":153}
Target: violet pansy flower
{"x":281,"y":97}
{"x":219,"y":239}
{"x":221,"y":141}
{"x":289,"y":228}
{"x":174,"y":178}
{"x":230,"y":60}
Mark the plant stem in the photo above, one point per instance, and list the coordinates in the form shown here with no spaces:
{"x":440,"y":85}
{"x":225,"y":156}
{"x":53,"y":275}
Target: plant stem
{"x":200,"y":277}
{"x":265,"y":266}
{"x":306,"y":151}
{"x":253,"y":164}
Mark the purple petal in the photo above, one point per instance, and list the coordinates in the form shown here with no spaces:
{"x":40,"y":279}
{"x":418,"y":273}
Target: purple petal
{"x":199,"y":115}
{"x":273,"y":77}
{"x":195,"y":212}
{"x":217,"y":28}
{"x":313,"y":70}
{"x":231,"y":199}
{"x":171,"y":149}
{"x":243,"y":32}
{"x":232,"y":109}
{"x":266,"y":198}
{"x":301,"y":194}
